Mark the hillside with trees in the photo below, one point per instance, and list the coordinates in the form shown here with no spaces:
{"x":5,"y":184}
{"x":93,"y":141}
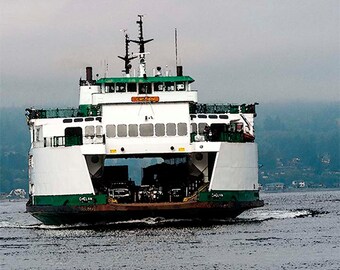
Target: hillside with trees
{"x":14,"y":147}
{"x":299,"y":142}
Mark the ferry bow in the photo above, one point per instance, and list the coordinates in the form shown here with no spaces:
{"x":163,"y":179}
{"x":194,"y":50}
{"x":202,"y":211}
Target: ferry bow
{"x":141,"y":146}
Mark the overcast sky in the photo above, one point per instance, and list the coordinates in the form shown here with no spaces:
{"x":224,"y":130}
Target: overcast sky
{"x":237,"y":51}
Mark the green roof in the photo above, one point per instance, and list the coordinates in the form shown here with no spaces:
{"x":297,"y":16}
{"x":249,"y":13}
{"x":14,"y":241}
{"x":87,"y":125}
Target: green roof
{"x":146,"y":80}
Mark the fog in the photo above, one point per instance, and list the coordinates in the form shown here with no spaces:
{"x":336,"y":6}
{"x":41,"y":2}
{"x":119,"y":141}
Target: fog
{"x":237,"y":51}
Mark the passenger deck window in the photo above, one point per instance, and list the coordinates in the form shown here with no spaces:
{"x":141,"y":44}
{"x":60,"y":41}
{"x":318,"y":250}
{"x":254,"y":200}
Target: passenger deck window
{"x":99,"y":131}
{"x":201,"y":127}
{"x":194,"y":128}
{"x":182,"y":129}
{"x":133,"y":130}
{"x":171,"y":129}
{"x":89,"y":131}
{"x":38,"y":134}
{"x":146,"y":130}
{"x":122,"y":130}
{"x":111,"y":131}
{"x":160,"y":130}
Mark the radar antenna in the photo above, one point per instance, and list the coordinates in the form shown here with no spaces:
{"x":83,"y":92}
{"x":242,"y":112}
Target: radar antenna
{"x":127,"y":58}
{"x":141,"y":42}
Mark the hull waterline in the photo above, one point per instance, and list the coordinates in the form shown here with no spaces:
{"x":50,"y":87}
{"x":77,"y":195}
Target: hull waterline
{"x":103,"y":214}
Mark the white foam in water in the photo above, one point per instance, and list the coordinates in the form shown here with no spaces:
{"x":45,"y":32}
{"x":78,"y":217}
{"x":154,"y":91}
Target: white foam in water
{"x":253,"y":215}
{"x":261,"y":215}
{"x":6,"y":224}
{"x":59,"y":227}
{"x":15,"y":225}
{"x":149,"y":221}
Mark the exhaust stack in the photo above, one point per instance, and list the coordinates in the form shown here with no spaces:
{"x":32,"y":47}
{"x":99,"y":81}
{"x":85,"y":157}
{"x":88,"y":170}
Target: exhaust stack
{"x":89,"y":74}
{"x":179,"y":70}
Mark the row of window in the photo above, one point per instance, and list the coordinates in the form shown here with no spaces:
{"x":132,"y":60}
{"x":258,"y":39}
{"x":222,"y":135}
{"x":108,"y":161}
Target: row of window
{"x":131,"y":130}
{"x":211,"y":116}
{"x":91,"y":131}
{"x":145,"y":88}
{"x":204,"y":128}
{"x":198,"y":128}
{"x":146,"y":130}
{"x":143,"y":130}
{"x":87,"y":119}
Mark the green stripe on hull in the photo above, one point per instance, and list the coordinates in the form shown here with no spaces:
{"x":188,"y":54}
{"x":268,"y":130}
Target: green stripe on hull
{"x":228,"y":195}
{"x":70,"y":200}
{"x":90,"y":199}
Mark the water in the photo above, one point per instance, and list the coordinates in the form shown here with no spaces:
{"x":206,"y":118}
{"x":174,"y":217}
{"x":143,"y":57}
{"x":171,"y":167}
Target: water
{"x":298,"y":230}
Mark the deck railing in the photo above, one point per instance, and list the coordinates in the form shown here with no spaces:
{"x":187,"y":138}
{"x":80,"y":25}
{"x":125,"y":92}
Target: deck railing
{"x":83,"y":111}
{"x":57,"y":141}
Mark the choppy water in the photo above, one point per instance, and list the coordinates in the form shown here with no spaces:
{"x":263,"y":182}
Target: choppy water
{"x":293,"y":231}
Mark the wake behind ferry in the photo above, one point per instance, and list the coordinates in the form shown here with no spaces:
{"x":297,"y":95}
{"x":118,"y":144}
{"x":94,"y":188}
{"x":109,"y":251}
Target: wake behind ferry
{"x":141,"y":146}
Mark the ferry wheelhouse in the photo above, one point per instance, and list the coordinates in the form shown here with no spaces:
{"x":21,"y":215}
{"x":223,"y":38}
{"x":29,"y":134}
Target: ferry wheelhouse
{"x":141,"y":146}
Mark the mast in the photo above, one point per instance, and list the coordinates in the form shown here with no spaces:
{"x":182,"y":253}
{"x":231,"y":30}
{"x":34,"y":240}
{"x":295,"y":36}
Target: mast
{"x":141,"y":42}
{"x":176,"y":46}
{"x":126,"y":58}
{"x":179,"y":69}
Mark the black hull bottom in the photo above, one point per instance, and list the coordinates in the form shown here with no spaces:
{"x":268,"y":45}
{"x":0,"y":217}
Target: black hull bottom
{"x":104,"y":214}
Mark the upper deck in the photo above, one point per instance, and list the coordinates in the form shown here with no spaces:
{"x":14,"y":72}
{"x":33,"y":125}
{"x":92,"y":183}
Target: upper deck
{"x":137,"y":90}
{"x":162,"y":82}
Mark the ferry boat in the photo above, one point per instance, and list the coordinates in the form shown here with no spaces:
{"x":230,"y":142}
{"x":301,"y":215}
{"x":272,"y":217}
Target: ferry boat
{"x":141,"y":146}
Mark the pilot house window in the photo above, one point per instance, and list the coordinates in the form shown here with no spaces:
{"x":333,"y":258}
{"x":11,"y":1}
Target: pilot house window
{"x":169,"y":86}
{"x":131,"y":87}
{"x":144,"y":88}
{"x":158,"y":87}
{"x":120,"y":87}
{"x":180,"y":86}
